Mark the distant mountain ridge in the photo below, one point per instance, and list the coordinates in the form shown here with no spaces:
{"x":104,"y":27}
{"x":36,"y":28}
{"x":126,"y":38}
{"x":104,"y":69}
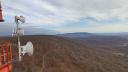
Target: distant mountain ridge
{"x":94,"y":39}
{"x":76,"y":34}
{"x":86,"y":34}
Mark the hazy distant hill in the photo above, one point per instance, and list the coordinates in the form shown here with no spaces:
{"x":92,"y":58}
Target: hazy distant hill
{"x":100,"y":40}
{"x":61,"y":54}
{"x":86,"y":34}
{"x":76,"y":34}
{"x":113,"y":34}
{"x":121,"y":34}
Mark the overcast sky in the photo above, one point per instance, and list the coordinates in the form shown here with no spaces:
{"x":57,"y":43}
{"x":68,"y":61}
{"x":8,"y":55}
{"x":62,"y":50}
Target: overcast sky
{"x":69,"y":15}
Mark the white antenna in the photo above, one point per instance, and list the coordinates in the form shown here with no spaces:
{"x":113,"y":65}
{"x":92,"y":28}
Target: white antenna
{"x":28,"y":48}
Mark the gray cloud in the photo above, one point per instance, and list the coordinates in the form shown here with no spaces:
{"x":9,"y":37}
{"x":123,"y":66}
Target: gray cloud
{"x":66,"y":9}
{"x":57,"y":12}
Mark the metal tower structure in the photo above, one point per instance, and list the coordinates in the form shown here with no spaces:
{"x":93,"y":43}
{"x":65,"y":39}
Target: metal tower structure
{"x":19,"y":32}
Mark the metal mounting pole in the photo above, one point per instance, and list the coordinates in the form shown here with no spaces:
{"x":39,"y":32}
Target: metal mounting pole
{"x":18,"y":40}
{"x":18,"y":33}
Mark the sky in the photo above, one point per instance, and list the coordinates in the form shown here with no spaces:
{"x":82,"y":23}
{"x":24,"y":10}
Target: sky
{"x":68,"y":15}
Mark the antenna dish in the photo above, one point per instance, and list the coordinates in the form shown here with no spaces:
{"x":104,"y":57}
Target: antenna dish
{"x":21,"y":18}
{"x":28,"y":48}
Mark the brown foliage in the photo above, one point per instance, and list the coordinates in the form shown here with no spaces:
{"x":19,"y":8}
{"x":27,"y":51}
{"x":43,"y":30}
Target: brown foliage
{"x":58,"y":54}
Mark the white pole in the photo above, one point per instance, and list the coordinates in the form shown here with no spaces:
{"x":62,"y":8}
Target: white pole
{"x":17,"y":19}
{"x":18,"y":40}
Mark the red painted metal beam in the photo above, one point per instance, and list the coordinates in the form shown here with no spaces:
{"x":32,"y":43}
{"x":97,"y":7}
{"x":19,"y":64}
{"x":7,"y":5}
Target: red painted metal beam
{"x":5,"y":57}
{"x":1,"y":16}
{"x":6,"y":68}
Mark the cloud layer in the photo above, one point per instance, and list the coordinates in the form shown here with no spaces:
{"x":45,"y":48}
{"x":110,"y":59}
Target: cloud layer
{"x":60,"y":14}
